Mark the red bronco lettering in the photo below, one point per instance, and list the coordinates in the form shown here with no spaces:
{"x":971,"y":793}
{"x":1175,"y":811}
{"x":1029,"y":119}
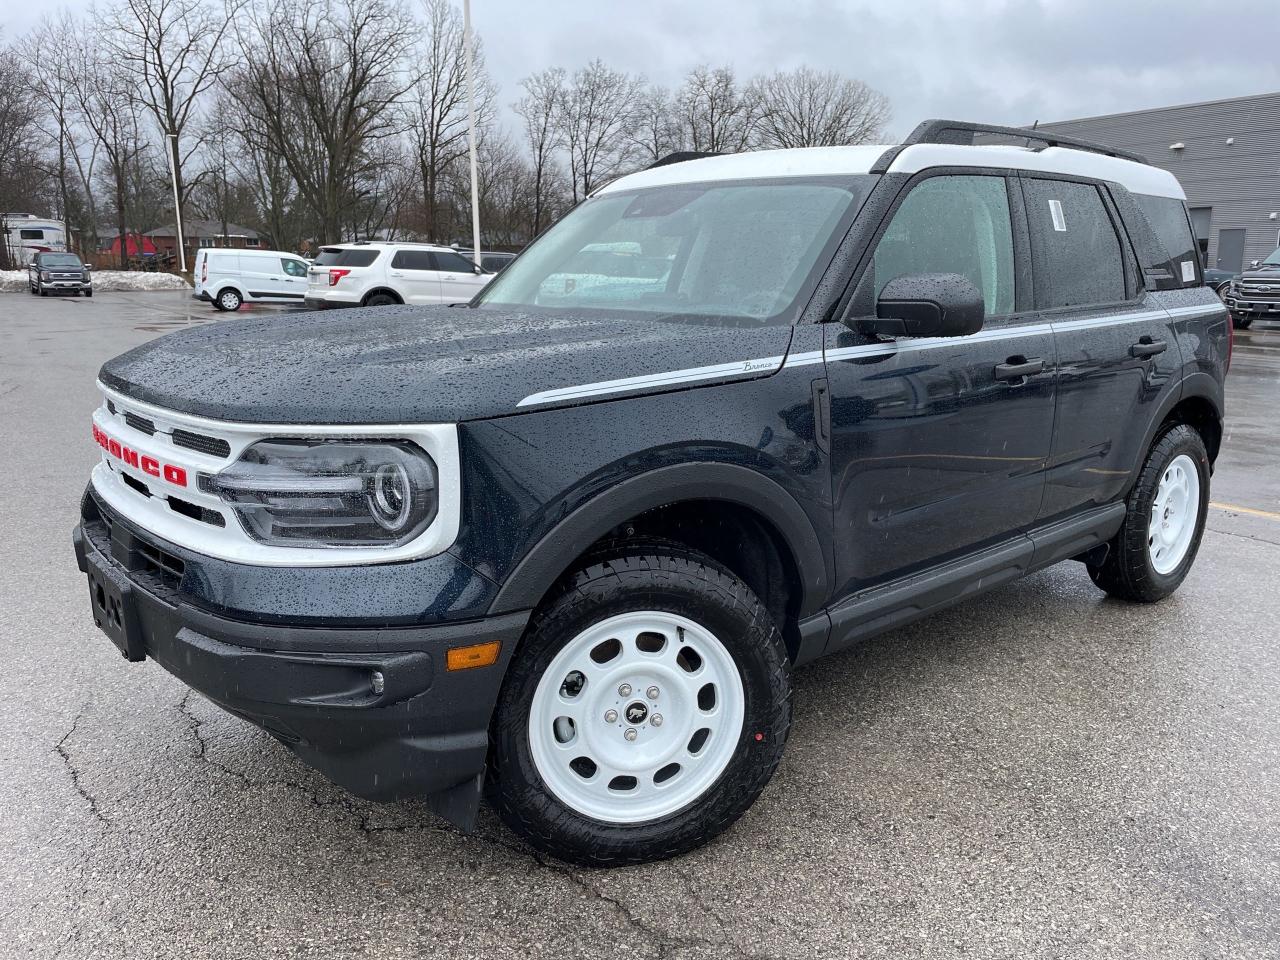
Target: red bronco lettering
{"x":140,"y":461}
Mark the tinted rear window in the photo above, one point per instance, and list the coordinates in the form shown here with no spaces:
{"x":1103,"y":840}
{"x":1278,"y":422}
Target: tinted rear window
{"x":1079,"y":258}
{"x":1168,"y":219}
{"x":340,"y":257}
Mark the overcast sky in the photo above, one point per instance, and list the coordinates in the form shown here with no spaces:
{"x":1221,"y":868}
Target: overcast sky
{"x":1000,"y":62}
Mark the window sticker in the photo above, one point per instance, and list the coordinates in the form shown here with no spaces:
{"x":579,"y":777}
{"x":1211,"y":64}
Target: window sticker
{"x":1188,"y":271}
{"x":1059,"y":221}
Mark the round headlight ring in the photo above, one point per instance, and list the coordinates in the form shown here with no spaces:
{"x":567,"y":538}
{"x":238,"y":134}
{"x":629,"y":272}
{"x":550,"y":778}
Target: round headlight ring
{"x":391,"y":499}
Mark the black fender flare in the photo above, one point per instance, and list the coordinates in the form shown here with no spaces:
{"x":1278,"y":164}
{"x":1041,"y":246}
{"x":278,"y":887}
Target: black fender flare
{"x":1195,"y":385}
{"x":539,"y":569}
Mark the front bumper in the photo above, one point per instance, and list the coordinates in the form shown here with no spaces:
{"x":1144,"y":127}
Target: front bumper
{"x":420,"y":730}
{"x":1244,"y":305}
{"x":66,"y":286}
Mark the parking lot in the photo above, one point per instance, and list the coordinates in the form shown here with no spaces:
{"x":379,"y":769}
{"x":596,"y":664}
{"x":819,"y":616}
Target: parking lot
{"x":1040,"y":772}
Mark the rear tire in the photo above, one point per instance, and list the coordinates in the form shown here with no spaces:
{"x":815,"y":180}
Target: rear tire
{"x":381,"y":300}
{"x":683,"y":779}
{"x":1152,"y":553}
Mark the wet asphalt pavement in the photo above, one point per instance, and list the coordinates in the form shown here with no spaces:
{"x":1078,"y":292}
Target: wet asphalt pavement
{"x":1040,"y":772}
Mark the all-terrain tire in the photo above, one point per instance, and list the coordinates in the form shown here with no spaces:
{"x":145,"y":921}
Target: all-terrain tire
{"x":643,"y":577}
{"x":1128,"y":572}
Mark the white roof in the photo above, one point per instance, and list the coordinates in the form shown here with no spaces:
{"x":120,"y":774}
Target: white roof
{"x":820,"y":161}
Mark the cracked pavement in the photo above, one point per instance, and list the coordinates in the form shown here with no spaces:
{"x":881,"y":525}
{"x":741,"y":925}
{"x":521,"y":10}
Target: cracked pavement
{"x":1038,"y":773}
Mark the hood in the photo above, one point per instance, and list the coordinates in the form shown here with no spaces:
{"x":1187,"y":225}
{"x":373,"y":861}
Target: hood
{"x":430,"y":364}
{"x":1263,"y":271}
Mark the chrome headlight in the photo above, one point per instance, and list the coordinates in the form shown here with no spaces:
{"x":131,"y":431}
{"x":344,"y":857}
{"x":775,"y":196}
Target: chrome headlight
{"x":331,"y":493}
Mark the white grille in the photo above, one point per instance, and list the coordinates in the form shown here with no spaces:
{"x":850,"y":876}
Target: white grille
{"x":143,"y":459}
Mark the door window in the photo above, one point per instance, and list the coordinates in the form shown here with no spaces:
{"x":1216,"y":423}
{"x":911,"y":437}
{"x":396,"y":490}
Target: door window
{"x":453,"y":262}
{"x":953,"y":225}
{"x":412,"y":260}
{"x":1077,"y":252}
{"x":293,"y":268}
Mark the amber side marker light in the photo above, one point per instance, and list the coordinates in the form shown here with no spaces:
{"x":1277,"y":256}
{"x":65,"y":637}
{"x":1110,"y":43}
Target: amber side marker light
{"x":476,"y":655}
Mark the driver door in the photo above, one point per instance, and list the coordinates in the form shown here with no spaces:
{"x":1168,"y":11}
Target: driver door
{"x":936,"y":449}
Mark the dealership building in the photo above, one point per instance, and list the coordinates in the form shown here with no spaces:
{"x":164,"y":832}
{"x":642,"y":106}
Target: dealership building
{"x":1226,"y":154}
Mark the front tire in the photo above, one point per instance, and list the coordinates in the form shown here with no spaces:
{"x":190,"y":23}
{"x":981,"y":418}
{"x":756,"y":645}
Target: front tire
{"x":1241,"y":323}
{"x":647,"y":708}
{"x":1152,"y":553}
{"x":228,"y":300}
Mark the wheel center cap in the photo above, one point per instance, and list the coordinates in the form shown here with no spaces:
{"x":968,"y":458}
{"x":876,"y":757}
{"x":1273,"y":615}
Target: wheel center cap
{"x":637,"y":712}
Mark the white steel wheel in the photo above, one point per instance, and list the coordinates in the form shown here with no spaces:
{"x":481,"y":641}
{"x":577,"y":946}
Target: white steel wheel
{"x":1175,"y":513}
{"x":636,"y":717}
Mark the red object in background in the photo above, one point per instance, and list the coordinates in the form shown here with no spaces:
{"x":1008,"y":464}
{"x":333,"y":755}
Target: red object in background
{"x":136,"y":246}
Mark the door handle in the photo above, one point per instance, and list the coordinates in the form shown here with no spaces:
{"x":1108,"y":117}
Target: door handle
{"x":396,"y":273}
{"x":1019,"y":368}
{"x":1146,"y":347}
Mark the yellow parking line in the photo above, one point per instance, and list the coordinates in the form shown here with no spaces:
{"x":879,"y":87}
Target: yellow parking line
{"x":1249,"y":510}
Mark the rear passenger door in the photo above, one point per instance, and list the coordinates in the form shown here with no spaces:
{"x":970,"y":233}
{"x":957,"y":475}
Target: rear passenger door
{"x":937,"y":448}
{"x":414,"y":276}
{"x":1116,"y":354}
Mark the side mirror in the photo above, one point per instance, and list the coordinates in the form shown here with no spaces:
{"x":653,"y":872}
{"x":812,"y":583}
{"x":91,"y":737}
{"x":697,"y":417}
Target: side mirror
{"x":927,"y":305}
{"x":1253,"y":264}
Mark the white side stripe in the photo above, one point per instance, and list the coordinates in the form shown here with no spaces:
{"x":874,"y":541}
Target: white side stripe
{"x":762,"y":365}
{"x":771,"y":365}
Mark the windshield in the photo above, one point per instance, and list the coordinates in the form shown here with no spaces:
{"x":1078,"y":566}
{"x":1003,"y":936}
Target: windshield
{"x":1274,"y":258}
{"x":59,"y":260}
{"x":749,"y":251}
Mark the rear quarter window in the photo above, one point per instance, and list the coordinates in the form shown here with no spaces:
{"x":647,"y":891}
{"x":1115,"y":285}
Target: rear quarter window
{"x":1168,"y":219}
{"x":346,"y":257}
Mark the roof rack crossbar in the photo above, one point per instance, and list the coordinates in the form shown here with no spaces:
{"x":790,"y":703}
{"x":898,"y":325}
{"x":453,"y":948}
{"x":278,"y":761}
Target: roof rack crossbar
{"x":963,"y":133}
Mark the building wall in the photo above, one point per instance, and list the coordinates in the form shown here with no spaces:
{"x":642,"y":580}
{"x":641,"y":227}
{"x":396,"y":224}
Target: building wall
{"x":1239,"y":182}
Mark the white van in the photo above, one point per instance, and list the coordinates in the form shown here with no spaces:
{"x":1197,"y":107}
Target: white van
{"x":227,"y":278}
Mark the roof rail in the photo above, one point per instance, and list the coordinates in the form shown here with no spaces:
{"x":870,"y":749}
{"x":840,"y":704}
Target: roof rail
{"x":680,"y":156}
{"x":964,"y":133}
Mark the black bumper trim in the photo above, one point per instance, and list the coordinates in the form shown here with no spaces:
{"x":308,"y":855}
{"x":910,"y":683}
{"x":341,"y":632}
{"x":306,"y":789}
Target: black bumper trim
{"x":425,"y":732}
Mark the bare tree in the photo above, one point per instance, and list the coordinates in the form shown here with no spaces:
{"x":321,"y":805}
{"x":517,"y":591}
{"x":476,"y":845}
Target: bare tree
{"x":714,"y":115}
{"x":174,"y":50}
{"x":322,"y":83}
{"x":657,"y":130}
{"x":18,"y":135}
{"x":596,"y":119}
{"x":810,"y":108}
{"x":539,"y":109}
{"x":109,"y":112}
{"x":438,"y":112}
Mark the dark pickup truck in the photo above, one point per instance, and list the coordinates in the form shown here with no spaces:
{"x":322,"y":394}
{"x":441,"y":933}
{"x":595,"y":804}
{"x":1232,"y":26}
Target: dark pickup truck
{"x":1256,"y":292}
{"x":59,"y":273}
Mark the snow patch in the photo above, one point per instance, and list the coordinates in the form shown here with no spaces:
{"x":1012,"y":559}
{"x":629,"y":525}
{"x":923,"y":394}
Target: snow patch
{"x":15,"y":281}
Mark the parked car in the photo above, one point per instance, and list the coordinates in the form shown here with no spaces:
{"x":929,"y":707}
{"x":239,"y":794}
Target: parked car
{"x":375,"y":274}
{"x":572,"y":553}
{"x":1218,"y":280}
{"x":229,"y":277}
{"x":1256,"y":293}
{"x":493,"y":261}
{"x":59,"y":273}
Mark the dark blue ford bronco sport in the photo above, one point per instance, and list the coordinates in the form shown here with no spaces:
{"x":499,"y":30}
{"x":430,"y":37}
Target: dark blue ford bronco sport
{"x":567,"y":543}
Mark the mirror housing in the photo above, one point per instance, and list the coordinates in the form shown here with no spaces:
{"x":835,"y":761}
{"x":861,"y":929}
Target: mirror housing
{"x":927,"y":305}
{"x":1253,"y":264}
